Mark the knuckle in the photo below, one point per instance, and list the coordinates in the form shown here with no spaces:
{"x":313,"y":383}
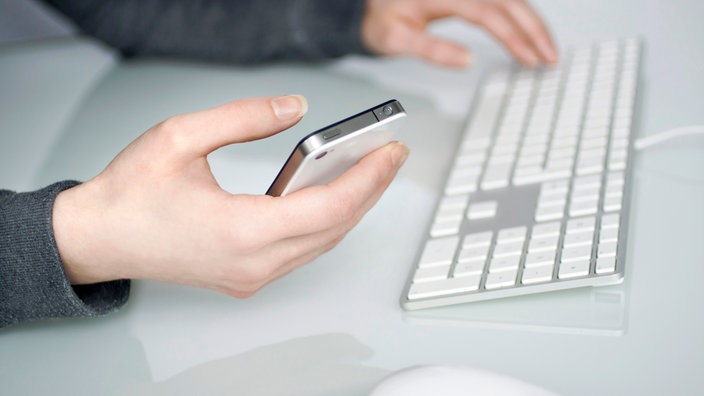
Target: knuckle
{"x":511,"y":4}
{"x":172,"y":133}
{"x":493,"y":19}
{"x":394,"y":40}
{"x":484,"y":11}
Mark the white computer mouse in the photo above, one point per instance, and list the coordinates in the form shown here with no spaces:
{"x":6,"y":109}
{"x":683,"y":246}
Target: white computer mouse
{"x":451,"y":380}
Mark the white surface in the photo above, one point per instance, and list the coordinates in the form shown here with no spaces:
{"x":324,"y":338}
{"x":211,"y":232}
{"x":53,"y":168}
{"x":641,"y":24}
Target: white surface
{"x":335,"y":326}
{"x":453,"y":381}
{"x":43,"y":84}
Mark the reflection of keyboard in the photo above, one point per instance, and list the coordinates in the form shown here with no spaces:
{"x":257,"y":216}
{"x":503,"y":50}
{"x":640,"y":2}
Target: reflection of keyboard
{"x":537,"y":197}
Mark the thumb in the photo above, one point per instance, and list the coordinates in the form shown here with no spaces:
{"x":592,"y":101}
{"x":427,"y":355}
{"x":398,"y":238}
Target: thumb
{"x":199,"y":133}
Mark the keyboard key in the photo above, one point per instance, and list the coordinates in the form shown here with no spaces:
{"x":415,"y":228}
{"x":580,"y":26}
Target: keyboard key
{"x":552,"y":200}
{"x":613,"y":191}
{"x":543,"y":244}
{"x":612,"y":204}
{"x":536,"y":275}
{"x":477,"y":239}
{"x":576,"y":253}
{"x":585,"y":182}
{"x":499,"y":264}
{"x":573,"y":269}
{"x":450,"y":215}
{"x":585,"y":194}
{"x":484,"y":119}
{"x":500,"y":279}
{"x":588,"y":166}
{"x":549,"y":213}
{"x":439,"y":252}
{"x":615,"y":179}
{"x":445,"y":228}
{"x":606,"y":249}
{"x":454,"y":202}
{"x":579,"y":238}
{"x":471,"y":162}
{"x":427,"y":274}
{"x":605,"y":265}
{"x":608,"y":235}
{"x":462,"y":184}
{"x":540,"y":259}
{"x":511,"y":235}
{"x":546,"y":229}
{"x":581,"y":224}
{"x":496,"y":177}
{"x":508,"y":249}
{"x":555,"y":187}
{"x":443,"y":287}
{"x":468,"y":268}
{"x":610,"y":221}
{"x":547,"y":174}
{"x":473,"y":253}
{"x":584,"y":207}
{"x":525,"y":162}
{"x":482,"y":210}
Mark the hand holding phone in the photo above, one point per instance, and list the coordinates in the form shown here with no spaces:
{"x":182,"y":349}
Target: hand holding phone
{"x":326,"y":153}
{"x":172,"y":222}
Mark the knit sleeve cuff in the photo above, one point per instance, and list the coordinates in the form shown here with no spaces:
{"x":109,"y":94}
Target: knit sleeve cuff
{"x":33,"y":283}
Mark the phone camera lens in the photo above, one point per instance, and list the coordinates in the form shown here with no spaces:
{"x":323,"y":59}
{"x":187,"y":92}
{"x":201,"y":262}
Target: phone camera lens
{"x":388,"y":110}
{"x":321,"y":155}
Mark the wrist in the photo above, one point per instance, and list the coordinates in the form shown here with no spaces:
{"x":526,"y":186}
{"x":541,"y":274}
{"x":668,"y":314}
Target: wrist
{"x":71,"y":218}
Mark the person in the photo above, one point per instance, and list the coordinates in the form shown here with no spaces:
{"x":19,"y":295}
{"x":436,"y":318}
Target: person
{"x":156,"y":212}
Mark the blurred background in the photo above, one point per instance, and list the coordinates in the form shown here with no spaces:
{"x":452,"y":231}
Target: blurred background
{"x":22,"y":20}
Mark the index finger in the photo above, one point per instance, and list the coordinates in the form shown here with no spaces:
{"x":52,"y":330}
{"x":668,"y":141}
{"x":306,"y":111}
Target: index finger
{"x":512,"y":22}
{"x":533,"y":26}
{"x":197,"y":134}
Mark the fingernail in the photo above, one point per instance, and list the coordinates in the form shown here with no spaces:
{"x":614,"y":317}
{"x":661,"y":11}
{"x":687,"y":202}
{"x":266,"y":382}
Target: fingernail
{"x":289,"y":106}
{"x":399,"y":155}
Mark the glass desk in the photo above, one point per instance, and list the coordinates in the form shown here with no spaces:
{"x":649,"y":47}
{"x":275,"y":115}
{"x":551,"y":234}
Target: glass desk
{"x":335,"y":326}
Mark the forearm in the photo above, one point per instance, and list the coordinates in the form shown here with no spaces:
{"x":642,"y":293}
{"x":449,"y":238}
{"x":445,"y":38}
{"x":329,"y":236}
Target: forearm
{"x":33,"y":283}
{"x":248,"y":31}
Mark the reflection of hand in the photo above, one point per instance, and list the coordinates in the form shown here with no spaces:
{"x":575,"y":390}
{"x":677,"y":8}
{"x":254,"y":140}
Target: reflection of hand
{"x":398,"y":27}
{"x":156,"y":212}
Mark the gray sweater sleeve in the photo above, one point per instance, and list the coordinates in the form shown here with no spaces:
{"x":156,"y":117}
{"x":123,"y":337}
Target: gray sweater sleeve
{"x":33,"y":284}
{"x":235,"y":31}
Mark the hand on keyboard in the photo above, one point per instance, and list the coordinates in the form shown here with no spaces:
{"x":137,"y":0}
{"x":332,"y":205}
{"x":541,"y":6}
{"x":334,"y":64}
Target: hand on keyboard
{"x":398,"y":27}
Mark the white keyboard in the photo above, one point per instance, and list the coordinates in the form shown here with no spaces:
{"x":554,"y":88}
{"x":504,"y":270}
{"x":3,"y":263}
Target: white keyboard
{"x":537,"y":197}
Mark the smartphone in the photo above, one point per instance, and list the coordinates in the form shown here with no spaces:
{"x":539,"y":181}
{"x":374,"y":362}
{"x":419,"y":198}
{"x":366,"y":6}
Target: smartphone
{"x":326,"y":153}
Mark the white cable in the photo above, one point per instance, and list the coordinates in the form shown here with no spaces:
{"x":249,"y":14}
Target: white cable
{"x":669,"y":134}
